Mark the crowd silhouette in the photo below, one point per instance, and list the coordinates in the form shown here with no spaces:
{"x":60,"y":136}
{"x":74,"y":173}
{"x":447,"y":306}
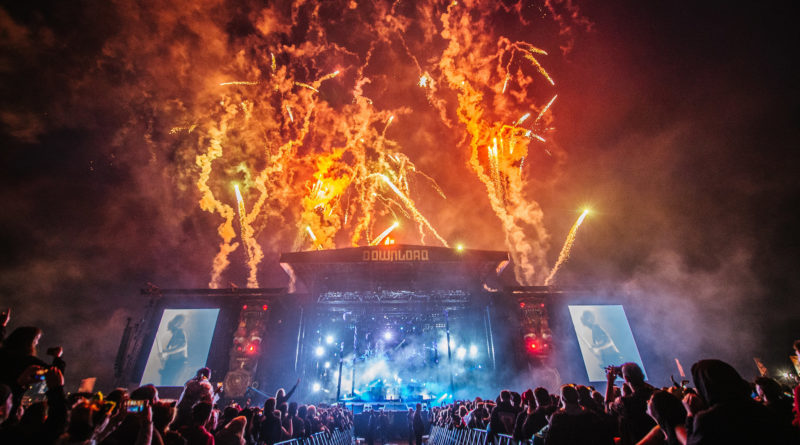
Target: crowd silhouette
{"x":719,"y":408}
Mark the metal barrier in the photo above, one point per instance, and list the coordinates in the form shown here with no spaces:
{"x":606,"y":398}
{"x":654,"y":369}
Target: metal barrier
{"x":468,"y":436}
{"x":336,"y":437}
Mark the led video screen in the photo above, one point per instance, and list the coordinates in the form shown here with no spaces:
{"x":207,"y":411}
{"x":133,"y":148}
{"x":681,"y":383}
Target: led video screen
{"x":605,"y":338}
{"x":180,"y":347}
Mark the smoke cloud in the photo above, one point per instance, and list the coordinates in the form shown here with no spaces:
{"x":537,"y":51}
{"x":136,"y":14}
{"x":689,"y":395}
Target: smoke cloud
{"x":677,"y":140}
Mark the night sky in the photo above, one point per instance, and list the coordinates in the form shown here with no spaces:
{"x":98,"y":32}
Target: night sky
{"x":675,"y":122}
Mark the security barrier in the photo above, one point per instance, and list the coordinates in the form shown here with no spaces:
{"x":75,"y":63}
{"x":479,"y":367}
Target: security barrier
{"x":468,"y":436}
{"x":324,"y":438}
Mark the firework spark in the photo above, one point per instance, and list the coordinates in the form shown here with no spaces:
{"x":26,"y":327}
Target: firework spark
{"x":245,"y":83}
{"x":423,"y":222}
{"x":564,"y":255}
{"x":384,"y":234}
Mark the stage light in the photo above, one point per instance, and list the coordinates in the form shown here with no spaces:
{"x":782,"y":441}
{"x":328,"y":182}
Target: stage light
{"x":264,"y":308}
{"x":522,"y":305}
{"x":327,"y":365}
{"x":244,"y":307}
{"x":329,"y":339}
{"x":461,"y":353}
{"x":319,"y":351}
{"x":387,"y":335}
{"x":442,"y":345}
{"x":459,"y":247}
{"x":473,"y":351}
{"x":316,"y":387}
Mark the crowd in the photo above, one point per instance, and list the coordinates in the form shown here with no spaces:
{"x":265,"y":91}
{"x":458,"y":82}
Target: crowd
{"x":721,"y":408}
{"x":138,"y":417}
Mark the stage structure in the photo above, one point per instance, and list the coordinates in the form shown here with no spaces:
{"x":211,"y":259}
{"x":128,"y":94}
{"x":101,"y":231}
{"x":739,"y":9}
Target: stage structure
{"x":378,"y":323}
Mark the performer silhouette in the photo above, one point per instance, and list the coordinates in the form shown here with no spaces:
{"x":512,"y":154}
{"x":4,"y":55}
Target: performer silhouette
{"x":601,"y":345}
{"x":174,"y":355}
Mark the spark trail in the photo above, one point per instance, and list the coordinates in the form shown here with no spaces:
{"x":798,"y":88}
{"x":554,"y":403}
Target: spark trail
{"x":564,"y":255}
{"x":384,"y":234}
{"x":413,"y":209}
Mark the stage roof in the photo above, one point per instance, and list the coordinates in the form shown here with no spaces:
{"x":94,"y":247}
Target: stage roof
{"x":394,"y":267}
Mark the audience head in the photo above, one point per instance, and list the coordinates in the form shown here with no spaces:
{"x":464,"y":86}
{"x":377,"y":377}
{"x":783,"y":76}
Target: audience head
{"x":505,"y":395}
{"x":269,"y":405}
{"x":768,"y":389}
{"x":81,"y":421}
{"x":542,"y":396}
{"x":35,"y":415}
{"x":201,"y":412}
{"x":23,"y":340}
{"x":237,"y":425}
{"x":598,"y":398}
{"x":163,"y":414}
{"x":118,"y":396}
{"x":569,"y":395}
{"x":203,"y":374}
{"x":584,"y":395}
{"x":516,"y":399}
{"x":146,"y":392}
{"x":632,"y":374}
{"x":717,"y":381}
{"x":527,"y":398}
{"x":667,"y":410}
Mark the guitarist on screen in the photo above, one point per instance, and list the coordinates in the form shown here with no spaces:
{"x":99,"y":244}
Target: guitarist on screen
{"x":600,"y":343}
{"x":173,"y":357}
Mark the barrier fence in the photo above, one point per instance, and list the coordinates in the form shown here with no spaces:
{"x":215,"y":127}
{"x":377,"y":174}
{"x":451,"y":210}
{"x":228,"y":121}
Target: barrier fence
{"x":468,"y":436}
{"x":324,"y":438}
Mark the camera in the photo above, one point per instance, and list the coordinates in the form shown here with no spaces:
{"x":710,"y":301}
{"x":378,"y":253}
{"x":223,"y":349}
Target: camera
{"x":40,"y":374}
{"x":616,"y":370}
{"x":134,"y":406}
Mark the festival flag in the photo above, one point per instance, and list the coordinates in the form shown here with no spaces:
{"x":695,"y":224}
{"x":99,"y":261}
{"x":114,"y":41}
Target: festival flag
{"x":796,"y":363}
{"x":680,"y":368}
{"x":761,"y":368}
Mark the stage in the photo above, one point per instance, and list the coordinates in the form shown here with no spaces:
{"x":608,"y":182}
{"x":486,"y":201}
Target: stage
{"x":388,"y":324}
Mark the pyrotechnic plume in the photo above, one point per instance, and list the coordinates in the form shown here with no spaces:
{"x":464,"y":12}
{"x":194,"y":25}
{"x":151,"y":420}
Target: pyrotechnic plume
{"x":312,"y":153}
{"x":209,"y":203}
{"x":254,"y":252}
{"x":475,"y":66}
{"x":564,"y":255}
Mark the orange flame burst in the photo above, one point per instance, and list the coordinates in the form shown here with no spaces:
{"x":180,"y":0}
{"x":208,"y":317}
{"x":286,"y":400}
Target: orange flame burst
{"x":312,"y":152}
